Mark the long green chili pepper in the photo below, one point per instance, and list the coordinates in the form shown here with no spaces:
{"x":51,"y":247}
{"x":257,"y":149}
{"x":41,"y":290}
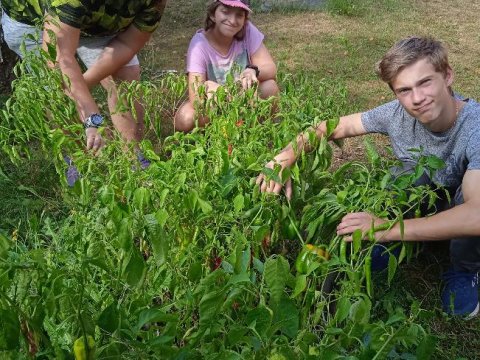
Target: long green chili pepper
{"x":367,"y":268}
{"x":343,"y":251}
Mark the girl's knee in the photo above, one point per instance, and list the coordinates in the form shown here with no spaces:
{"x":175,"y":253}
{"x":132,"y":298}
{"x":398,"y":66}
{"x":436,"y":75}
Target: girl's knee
{"x":268,"y":88}
{"x":184,"y":118}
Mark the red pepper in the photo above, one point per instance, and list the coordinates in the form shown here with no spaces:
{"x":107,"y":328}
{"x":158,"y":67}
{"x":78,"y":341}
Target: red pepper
{"x":266,"y":242}
{"x":216,"y":263}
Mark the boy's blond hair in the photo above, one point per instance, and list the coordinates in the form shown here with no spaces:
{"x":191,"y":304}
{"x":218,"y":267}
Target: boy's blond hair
{"x":408,"y":51}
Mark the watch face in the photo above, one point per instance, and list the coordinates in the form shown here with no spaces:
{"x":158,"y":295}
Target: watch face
{"x":96,"y":119}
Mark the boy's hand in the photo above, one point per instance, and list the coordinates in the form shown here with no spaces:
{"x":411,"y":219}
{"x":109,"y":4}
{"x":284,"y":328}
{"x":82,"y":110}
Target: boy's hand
{"x":271,"y":186}
{"x":359,"y":221}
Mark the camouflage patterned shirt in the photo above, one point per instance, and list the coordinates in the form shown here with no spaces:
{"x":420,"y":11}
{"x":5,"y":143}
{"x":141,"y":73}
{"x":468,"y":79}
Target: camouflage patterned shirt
{"x":92,"y":17}
{"x":25,"y":11}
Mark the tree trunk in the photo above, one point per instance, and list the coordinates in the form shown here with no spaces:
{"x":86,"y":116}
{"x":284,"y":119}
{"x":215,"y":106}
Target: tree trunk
{"x":8,"y":59}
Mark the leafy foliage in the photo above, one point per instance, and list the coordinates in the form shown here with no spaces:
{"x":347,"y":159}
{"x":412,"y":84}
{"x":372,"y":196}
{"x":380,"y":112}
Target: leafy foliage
{"x":188,"y":259}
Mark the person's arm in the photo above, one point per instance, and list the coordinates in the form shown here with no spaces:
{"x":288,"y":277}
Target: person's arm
{"x":116,"y":54}
{"x":348,"y":126}
{"x":460,"y":221}
{"x":266,"y":66}
{"x":67,"y":38}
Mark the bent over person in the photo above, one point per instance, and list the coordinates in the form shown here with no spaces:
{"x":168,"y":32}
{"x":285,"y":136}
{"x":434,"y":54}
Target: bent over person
{"x":425,"y":115}
{"x":105,"y":35}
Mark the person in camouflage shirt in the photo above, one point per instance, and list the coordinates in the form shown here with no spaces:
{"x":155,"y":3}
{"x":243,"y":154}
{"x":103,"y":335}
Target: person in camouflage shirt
{"x":106,"y":36}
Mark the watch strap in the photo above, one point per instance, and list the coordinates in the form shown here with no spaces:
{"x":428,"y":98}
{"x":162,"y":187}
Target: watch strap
{"x":88,"y":123}
{"x":253,"y":67}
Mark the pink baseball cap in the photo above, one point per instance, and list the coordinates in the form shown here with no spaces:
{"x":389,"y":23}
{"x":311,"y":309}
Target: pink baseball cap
{"x":244,"y":4}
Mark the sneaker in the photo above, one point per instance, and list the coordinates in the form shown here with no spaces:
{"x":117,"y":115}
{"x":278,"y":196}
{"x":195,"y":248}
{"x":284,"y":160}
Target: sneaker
{"x":380,"y":255}
{"x":460,"y":293}
{"x":71,"y":173}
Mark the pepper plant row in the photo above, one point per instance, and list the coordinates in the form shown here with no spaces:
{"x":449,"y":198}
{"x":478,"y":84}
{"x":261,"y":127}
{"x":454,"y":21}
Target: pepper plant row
{"x":187,"y":259}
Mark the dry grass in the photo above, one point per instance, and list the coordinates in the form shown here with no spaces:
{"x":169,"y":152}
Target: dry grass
{"x":339,"y":47}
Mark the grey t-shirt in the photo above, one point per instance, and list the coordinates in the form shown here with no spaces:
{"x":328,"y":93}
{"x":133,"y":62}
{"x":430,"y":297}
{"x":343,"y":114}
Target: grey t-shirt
{"x":459,"y":146}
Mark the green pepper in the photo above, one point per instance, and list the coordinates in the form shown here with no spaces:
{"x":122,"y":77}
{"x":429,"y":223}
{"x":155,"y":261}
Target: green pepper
{"x":343,"y":251}
{"x":309,"y":254}
{"x":289,"y":229}
{"x":303,"y":261}
{"x":367,"y":268}
{"x":83,"y":352}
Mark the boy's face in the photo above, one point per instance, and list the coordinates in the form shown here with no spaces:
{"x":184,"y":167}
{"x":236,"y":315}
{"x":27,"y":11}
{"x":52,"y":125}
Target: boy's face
{"x":425,"y":93}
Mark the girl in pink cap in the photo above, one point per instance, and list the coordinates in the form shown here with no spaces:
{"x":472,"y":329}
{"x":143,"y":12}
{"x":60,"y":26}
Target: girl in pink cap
{"x":228,"y":41}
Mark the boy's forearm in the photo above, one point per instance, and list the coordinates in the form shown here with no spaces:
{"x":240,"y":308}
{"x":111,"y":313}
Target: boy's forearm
{"x":458,"y":222}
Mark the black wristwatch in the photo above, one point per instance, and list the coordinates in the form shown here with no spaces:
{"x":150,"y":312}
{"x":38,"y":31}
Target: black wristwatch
{"x":254,"y":67}
{"x":93,"y":121}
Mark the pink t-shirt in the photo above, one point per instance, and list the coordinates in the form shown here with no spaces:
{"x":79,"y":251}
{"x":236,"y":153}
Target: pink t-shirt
{"x":202,"y":58}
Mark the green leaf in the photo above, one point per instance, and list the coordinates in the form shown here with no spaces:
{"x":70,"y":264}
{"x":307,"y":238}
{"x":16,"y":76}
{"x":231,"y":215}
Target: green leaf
{"x":385,"y":180}
{"x":276,"y":271}
{"x":204,"y":206}
{"x":4,"y":245}
{"x":238,"y":203}
{"x":160,"y":244}
{"x":161,"y":215}
{"x":210,"y":306}
{"x":109,"y":319}
{"x":141,"y":197}
{"x":300,"y":285}
{"x":125,"y":237}
{"x":343,"y":308}
{"x":236,"y":336}
{"x":286,"y":317}
{"x":195,"y":271}
{"x":153,"y":315}
{"x":435,"y":163}
{"x":360,"y":311}
{"x":243,"y":257}
{"x":371,"y":151}
{"x":392,"y":267}
{"x":427,"y":347}
{"x":239,"y":278}
{"x":397,"y":317}
{"x":331,"y":125}
{"x":260,"y":319}
{"x":9,"y":330}
{"x":341,"y":196}
{"x":135,"y":270}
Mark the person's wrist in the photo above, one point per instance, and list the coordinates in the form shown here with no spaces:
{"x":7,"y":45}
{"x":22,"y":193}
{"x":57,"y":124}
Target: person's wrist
{"x":95,"y":120}
{"x":249,"y":71}
{"x":254,"y":68}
